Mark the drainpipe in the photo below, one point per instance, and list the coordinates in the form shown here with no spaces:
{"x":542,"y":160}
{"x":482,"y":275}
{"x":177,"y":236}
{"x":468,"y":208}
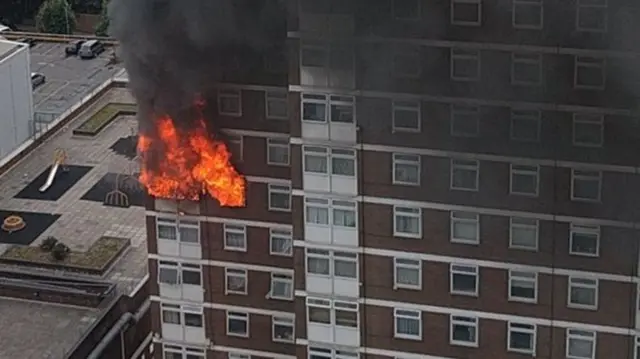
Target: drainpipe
{"x":126,"y":320}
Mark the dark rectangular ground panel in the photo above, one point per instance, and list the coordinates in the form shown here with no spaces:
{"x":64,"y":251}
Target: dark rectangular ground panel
{"x":66,"y":177}
{"x":126,"y":146}
{"x":127,"y":184}
{"x":36,"y":224}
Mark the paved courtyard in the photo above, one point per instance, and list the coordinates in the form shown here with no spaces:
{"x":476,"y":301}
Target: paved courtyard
{"x":25,"y":325}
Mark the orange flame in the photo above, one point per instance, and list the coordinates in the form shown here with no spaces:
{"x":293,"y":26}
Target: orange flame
{"x":193,"y":164}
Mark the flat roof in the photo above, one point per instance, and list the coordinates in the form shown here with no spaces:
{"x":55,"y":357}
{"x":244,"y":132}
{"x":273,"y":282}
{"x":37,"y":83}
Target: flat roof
{"x":8,"y":47}
{"x":43,"y":330}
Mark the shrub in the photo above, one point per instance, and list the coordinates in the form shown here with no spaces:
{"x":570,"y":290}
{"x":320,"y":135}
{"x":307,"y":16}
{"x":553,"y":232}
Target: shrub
{"x":56,"y":16}
{"x":48,"y":244}
{"x":102,"y":28}
{"x":60,"y":251}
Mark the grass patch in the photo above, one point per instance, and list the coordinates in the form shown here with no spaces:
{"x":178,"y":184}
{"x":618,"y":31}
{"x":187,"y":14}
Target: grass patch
{"x":99,"y":120}
{"x":96,"y":260}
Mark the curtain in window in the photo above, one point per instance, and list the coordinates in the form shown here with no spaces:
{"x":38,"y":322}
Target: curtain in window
{"x":167,"y":232}
{"x":345,"y":268}
{"x":315,"y":164}
{"x":235,"y":239}
{"x":406,"y":224}
{"x":407,"y":276}
{"x":318,"y":265}
{"x":465,"y":230}
{"x":344,"y":218}
{"x":317,"y":215}
{"x":342,"y":166}
{"x":408,"y":326}
{"x":170,"y":317}
{"x":280,"y":245}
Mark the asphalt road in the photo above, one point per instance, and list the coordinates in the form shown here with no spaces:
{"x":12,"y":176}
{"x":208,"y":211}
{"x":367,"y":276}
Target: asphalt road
{"x":68,"y":79}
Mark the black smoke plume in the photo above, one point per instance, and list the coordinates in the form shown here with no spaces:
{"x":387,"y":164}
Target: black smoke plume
{"x":175,"y":50}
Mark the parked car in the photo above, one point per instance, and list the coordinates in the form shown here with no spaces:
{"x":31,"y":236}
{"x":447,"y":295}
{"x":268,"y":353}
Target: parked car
{"x":28,"y":41}
{"x":73,"y":47}
{"x":37,"y":79}
{"x":91,"y":49}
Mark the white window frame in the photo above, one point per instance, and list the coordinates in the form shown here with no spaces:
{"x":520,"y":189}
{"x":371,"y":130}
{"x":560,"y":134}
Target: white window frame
{"x":465,"y":54}
{"x":525,"y":328}
{"x":280,"y":189}
{"x":406,"y":159}
{"x":584,"y":283}
{"x":236,"y":229}
{"x":527,"y":226}
{"x":331,"y":257}
{"x":466,"y":23}
{"x":412,"y":212}
{"x":523,"y":276}
{"x":344,"y":154}
{"x":330,"y":205}
{"x":234,"y":355}
{"x":577,"y":334}
{"x":179,"y":268}
{"x":317,"y":152}
{"x":237,"y":273}
{"x":461,"y":217}
{"x":236,"y":140}
{"x":230,"y":94}
{"x":525,"y":115}
{"x":282,"y":278}
{"x":282,"y":234}
{"x":588,"y":120}
{"x":464,"y":111}
{"x":409,"y":264}
{"x":464,"y":165}
{"x":318,"y":99}
{"x":603,"y":7}
{"x":577,"y":175}
{"x":589,"y":62}
{"x":182,"y":310}
{"x":276,"y":95}
{"x":333,"y":306}
{"x":464,"y":321}
{"x":182,"y":351}
{"x":414,"y":106}
{"x":587,"y":230}
{"x":236,"y":315}
{"x":416,"y":17}
{"x":177,"y":224}
{"x":526,"y":59}
{"x":316,"y":351}
{"x":280,"y":143}
{"x":464,"y":269}
{"x":407,"y":314}
{"x":284,"y":321}
{"x":524,"y":170}
{"x":341,"y":100}
{"x":527,"y":3}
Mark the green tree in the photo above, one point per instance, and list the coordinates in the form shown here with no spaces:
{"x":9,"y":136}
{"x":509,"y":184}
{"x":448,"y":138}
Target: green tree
{"x":102,"y":29}
{"x":56,"y":16}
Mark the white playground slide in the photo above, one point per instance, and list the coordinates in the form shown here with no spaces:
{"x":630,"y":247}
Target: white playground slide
{"x":52,"y":175}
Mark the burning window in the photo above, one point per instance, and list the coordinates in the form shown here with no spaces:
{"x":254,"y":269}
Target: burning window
{"x":588,"y":130}
{"x":276,"y":105}
{"x":465,"y":121}
{"x":526,"y":69}
{"x":406,"y":116}
{"x":465,"y":65}
{"x":525,"y":125}
{"x":464,"y":174}
{"x":527,"y":14}
{"x":592,"y":15}
{"x":590,"y":73}
{"x":230,"y":102}
{"x":466,"y":12}
{"x":278,"y":152}
{"x":279,"y":198}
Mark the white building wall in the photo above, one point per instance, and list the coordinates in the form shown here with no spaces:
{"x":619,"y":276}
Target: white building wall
{"x":16,"y":96}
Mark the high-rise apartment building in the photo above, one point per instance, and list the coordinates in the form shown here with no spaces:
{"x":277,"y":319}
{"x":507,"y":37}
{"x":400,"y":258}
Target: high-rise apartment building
{"x":444,"y":179}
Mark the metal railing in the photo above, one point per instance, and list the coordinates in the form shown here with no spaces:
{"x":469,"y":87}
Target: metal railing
{"x":40,"y":36}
